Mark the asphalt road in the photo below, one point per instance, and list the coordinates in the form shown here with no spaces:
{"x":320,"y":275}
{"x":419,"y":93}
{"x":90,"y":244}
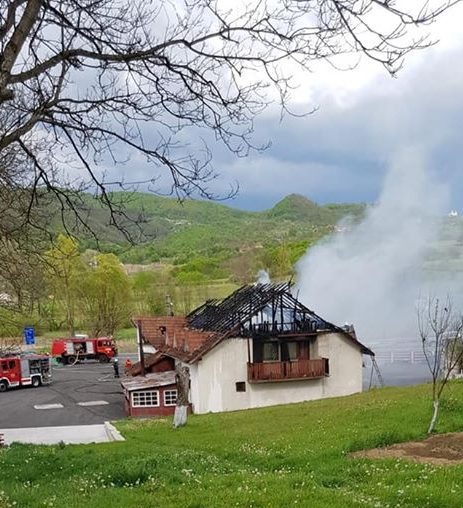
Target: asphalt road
{"x":87,"y":382}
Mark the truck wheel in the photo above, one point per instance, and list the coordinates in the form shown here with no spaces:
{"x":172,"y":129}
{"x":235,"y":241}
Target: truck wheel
{"x":3,"y":386}
{"x":103,"y":358}
{"x":71,"y":360}
{"x":36,"y":382}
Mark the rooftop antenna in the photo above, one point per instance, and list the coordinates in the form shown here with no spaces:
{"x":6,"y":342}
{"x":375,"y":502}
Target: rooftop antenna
{"x":169,"y":306}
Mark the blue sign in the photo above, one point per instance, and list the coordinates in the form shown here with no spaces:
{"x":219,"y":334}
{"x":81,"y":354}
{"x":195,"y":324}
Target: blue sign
{"x":29,"y":335}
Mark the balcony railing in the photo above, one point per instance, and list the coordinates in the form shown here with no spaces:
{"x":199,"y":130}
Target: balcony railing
{"x":285,"y":371}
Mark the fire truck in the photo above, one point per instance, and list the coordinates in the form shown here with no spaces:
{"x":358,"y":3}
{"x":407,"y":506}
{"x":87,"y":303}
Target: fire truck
{"x":70,"y":351}
{"x":24,"y":370}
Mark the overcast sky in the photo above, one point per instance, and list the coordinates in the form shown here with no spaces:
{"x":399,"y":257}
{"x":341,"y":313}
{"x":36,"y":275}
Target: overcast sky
{"x":341,"y":153}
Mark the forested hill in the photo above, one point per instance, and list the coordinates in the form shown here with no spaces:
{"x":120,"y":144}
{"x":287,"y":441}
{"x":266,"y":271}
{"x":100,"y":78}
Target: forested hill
{"x":179,"y":231}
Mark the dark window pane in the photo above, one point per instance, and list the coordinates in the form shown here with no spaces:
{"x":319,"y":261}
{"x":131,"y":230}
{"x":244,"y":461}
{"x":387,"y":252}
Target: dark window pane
{"x":270,"y":352}
{"x":240,"y":386}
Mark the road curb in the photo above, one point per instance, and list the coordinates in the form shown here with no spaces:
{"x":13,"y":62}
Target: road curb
{"x":112,"y":432}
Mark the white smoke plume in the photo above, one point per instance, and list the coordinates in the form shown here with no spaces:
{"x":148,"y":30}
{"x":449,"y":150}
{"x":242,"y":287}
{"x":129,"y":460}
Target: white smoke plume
{"x":372,"y":273}
{"x":263,"y":277}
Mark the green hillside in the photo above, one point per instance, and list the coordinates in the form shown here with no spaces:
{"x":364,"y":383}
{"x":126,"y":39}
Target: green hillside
{"x":191,"y":251}
{"x":168,"y":231}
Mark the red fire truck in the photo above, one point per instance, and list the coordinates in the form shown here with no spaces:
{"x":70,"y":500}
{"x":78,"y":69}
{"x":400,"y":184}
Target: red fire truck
{"x":70,"y":351}
{"x":24,"y":370}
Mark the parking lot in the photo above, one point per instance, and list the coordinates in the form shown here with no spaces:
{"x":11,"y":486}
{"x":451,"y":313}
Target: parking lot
{"x":83,"y":394}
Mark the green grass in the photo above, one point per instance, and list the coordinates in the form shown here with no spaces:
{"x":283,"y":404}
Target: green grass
{"x":293,"y":455}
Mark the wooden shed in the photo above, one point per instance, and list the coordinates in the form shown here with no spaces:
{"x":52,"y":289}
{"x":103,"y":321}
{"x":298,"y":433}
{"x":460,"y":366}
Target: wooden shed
{"x":152,"y":395}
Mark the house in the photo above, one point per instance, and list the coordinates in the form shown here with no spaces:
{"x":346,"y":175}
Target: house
{"x":151,"y":395}
{"x":258,"y":347}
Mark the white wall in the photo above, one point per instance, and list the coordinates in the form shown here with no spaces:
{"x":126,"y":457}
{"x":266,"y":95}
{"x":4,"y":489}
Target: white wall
{"x":213,"y":378}
{"x":345,"y":361}
{"x":147,"y":348}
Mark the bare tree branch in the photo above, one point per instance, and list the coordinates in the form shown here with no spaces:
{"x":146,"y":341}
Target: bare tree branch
{"x":92,"y":83}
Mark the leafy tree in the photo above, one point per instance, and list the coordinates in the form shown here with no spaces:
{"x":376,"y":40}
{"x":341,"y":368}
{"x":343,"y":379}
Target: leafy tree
{"x":12,"y":322}
{"x":276,"y":259}
{"x":199,"y":269}
{"x":190,"y":277}
{"x":143,"y":281}
{"x":21,"y":275}
{"x":150,"y":289}
{"x":85,"y":81}
{"x":65,"y":271}
{"x":106,"y":295}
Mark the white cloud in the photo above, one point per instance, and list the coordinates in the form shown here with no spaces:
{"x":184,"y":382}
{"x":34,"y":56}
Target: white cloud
{"x":365,"y":117}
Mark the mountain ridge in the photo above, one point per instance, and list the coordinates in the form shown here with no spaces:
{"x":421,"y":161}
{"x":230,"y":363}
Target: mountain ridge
{"x":178,"y":230}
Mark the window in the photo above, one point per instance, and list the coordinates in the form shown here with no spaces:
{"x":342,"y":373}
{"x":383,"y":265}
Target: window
{"x":270,"y":352}
{"x":170,"y":397}
{"x":145,"y":399}
{"x":293,"y":351}
{"x":240,"y":386}
{"x":11,"y":364}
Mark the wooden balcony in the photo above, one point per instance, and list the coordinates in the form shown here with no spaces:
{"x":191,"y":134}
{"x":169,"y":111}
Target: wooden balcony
{"x":286,"y":371}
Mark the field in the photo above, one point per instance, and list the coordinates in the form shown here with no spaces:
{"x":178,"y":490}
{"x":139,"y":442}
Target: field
{"x":295,"y":455}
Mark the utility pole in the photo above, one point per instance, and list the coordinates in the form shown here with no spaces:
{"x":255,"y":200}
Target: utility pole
{"x":141,"y":353}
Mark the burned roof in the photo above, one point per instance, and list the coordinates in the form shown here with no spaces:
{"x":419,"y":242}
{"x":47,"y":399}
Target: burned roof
{"x":245,"y":302}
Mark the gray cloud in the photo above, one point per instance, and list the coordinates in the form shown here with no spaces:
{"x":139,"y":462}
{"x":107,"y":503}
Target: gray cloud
{"x":340,"y":153}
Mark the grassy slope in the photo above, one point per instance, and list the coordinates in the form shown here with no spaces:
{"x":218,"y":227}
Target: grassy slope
{"x":205,"y":227}
{"x":272,"y":457}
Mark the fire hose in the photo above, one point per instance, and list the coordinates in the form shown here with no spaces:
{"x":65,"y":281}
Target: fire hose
{"x":77,"y":358}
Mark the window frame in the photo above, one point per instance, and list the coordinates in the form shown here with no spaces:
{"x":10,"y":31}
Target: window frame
{"x":278,"y":349}
{"x":144,"y":392}
{"x":164,"y":397}
{"x":240,"y":386}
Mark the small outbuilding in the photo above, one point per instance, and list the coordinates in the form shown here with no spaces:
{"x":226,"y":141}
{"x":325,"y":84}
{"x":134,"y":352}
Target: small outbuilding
{"x":152,"y":395}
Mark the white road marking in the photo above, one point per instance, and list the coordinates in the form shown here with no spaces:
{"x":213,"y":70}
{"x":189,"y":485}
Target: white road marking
{"x":93,"y":403}
{"x":48,"y":406}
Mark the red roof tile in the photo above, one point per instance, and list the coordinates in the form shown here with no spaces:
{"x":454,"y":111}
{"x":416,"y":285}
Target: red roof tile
{"x":170,"y":335}
{"x":150,"y":360}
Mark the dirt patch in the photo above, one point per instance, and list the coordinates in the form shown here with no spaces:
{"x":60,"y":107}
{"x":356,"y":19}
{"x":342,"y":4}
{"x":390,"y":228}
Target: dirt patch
{"x":445,"y":449}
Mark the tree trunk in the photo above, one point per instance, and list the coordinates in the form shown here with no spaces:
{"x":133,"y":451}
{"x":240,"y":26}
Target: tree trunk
{"x":435,"y":413}
{"x":182,"y":378}
{"x":180,"y":416}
